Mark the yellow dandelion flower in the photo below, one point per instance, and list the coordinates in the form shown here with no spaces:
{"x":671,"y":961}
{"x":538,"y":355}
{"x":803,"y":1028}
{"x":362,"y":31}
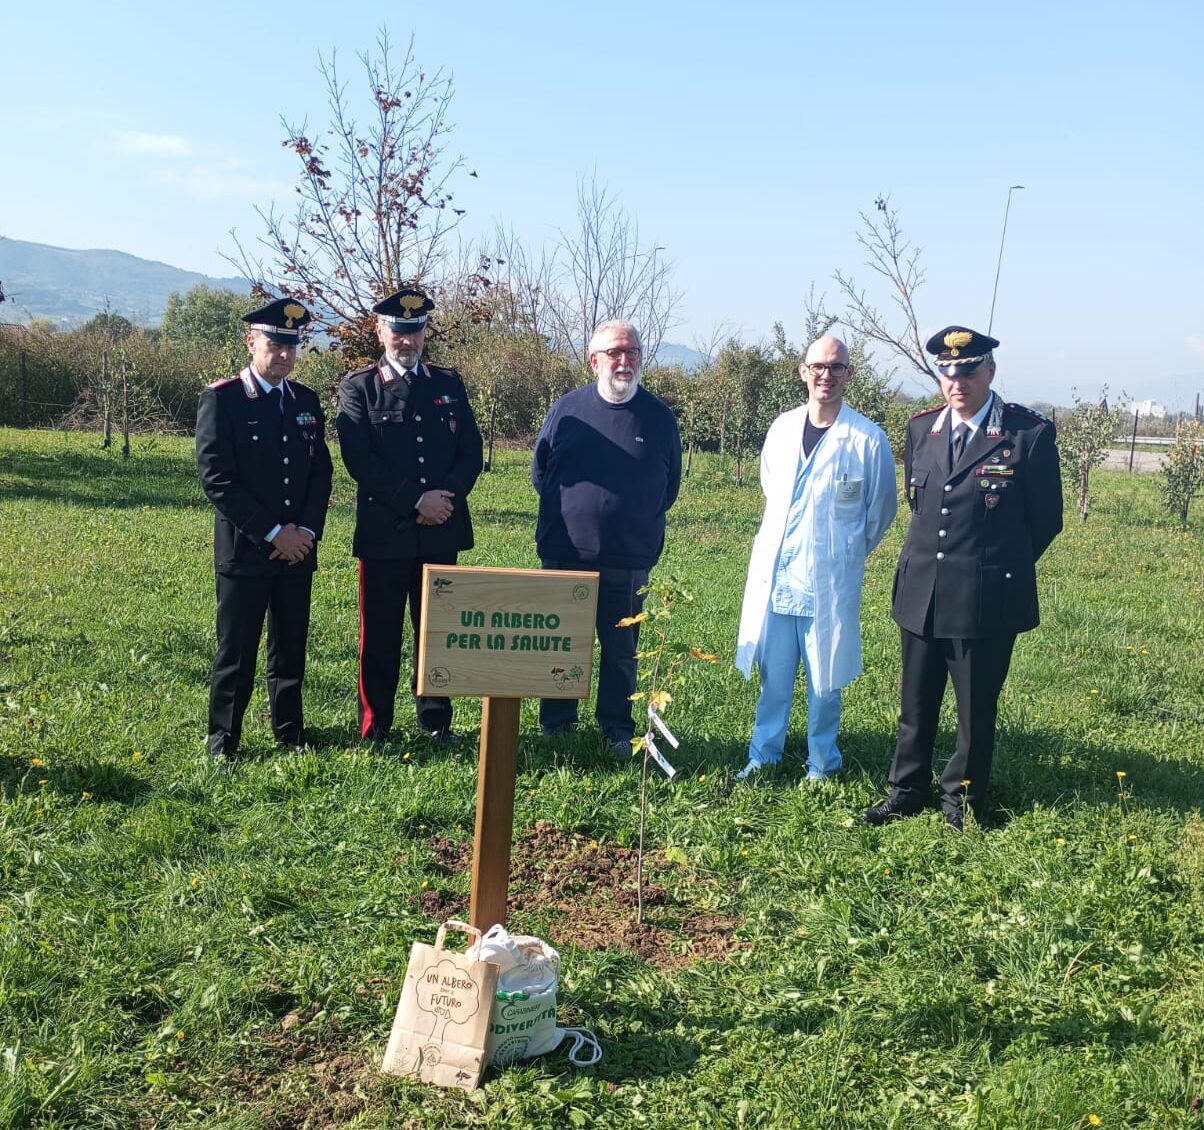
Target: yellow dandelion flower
{"x":966,"y":783}
{"x":136,"y":756}
{"x":85,"y":795}
{"x":42,"y":783}
{"x":424,"y":885}
{"x":180,"y":1035}
{"x":1060,"y":842}
{"x":36,"y":761}
{"x":1132,"y":839}
{"x":407,"y":756}
{"x":1121,"y":774}
{"x":744,"y":853}
{"x":1094,"y":1120}
{"x":1095,"y":690}
{"x":887,"y":871}
{"x":1145,"y":651}
{"x":701,"y":777}
{"x":631,"y":621}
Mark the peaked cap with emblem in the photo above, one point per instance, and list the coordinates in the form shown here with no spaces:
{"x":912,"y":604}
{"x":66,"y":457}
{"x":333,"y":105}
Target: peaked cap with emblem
{"x":405,"y":311}
{"x":957,"y":345}
{"x":280,"y":321}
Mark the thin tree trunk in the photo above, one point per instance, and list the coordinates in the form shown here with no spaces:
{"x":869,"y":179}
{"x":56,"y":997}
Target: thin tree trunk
{"x":125,"y":411}
{"x":106,"y":401}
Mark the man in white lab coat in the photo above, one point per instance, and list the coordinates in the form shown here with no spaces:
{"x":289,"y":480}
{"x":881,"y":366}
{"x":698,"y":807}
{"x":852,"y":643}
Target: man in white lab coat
{"x":830,"y":495}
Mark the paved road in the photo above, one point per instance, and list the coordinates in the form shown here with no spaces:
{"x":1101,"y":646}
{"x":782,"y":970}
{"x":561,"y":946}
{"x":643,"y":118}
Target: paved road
{"x":1148,"y":462}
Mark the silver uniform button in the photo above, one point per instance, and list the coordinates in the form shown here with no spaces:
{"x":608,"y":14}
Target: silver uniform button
{"x":254,"y":437}
{"x":286,"y":482}
{"x":420,"y":459}
{"x":913,"y":478}
{"x":1007,"y":576}
{"x":420,"y":439}
{"x":284,"y":439}
{"x":944,"y":510}
{"x":286,"y":459}
{"x":941,"y":533}
{"x":420,"y":480}
{"x":948,"y":488}
{"x":940,"y":557}
{"x":288,"y":502}
{"x":417,"y":419}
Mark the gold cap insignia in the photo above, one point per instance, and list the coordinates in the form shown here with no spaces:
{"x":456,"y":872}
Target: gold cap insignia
{"x":291,"y":313}
{"x":955,"y":339}
{"x":411,"y":302}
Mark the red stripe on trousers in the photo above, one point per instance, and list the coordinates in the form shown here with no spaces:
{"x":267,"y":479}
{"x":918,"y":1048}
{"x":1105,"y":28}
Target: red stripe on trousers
{"x":369,"y":717}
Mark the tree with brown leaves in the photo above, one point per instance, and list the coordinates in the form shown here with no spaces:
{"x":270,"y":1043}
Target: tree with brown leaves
{"x":374,"y":202}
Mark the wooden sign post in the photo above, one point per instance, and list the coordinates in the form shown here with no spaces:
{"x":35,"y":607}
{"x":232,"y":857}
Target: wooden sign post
{"x":503,"y":635}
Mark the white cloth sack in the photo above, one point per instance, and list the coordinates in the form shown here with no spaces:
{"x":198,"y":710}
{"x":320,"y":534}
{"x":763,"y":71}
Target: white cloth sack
{"x":523,"y":1021}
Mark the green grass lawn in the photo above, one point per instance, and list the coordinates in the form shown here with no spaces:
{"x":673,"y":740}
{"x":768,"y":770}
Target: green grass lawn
{"x":179,"y":948}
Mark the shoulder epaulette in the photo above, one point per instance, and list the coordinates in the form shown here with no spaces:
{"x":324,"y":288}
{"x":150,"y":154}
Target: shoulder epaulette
{"x":221,"y":383}
{"x":363,"y":369}
{"x":928,"y":411}
{"x":443,"y":369}
{"x":1027,"y":412}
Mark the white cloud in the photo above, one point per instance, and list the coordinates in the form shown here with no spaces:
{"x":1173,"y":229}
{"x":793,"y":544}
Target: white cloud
{"x":1195,"y":345}
{"x":226,"y":179}
{"x":138,"y":144}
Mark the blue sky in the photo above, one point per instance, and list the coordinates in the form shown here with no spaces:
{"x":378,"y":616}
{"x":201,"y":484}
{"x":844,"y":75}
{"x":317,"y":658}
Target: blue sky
{"x":745,"y":139}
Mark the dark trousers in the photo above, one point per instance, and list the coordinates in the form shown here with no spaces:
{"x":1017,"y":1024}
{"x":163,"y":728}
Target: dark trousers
{"x":977,"y":669}
{"x":618,"y":597}
{"x":242,"y":604}
{"x":386,"y":586}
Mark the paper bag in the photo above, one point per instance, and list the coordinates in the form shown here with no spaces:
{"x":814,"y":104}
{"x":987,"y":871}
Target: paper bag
{"x":442,"y":1023}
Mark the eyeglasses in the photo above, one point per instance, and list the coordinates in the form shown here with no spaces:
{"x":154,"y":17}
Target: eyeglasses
{"x":616,"y":353}
{"x":837,"y":369}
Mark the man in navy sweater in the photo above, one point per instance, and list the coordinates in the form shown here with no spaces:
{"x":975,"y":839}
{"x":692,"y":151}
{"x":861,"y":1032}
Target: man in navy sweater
{"x":607,"y":468}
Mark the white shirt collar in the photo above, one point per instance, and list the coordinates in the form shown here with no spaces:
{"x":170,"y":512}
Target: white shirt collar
{"x":635,"y":387}
{"x":975,"y":422}
{"x":264,"y":386}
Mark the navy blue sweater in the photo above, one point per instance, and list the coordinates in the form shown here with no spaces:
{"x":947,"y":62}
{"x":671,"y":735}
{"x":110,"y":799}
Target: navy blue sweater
{"x":606,"y":474}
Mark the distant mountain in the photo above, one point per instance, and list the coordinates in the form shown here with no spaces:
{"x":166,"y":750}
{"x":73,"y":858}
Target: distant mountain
{"x":669,"y":354}
{"x":72,"y":286}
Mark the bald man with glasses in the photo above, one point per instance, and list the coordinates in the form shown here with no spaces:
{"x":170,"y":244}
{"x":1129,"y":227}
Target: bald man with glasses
{"x":985,"y":492}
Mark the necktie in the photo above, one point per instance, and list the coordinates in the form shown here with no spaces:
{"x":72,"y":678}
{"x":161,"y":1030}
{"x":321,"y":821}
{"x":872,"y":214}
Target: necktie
{"x":959,"y":442}
{"x":276,"y":398}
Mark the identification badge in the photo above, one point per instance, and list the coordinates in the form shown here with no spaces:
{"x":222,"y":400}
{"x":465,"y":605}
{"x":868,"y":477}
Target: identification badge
{"x":848,"y":490}
{"x":990,"y":501}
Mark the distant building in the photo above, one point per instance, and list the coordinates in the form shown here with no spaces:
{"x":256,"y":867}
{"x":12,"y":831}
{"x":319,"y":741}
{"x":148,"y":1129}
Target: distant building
{"x":1151,"y":409}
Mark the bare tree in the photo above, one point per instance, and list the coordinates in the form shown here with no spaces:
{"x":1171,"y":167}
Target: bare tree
{"x":892,"y":257}
{"x":601,"y":270}
{"x":374,"y":204}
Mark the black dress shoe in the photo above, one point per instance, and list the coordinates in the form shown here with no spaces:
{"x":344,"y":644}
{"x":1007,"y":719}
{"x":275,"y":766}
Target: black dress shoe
{"x":895,"y":807}
{"x":955,"y":819}
{"x":223,"y":760}
{"x":444,"y":737}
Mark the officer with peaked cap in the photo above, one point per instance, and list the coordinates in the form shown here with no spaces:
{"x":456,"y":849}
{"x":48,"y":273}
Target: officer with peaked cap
{"x":409,"y":440}
{"x":263,"y":463}
{"x":985,"y":493}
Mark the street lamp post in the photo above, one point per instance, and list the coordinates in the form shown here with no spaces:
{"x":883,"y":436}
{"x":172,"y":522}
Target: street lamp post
{"x":999,"y":264}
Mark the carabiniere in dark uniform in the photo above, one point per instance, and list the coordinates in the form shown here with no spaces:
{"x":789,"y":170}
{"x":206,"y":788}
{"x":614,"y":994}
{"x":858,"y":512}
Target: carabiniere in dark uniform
{"x":405,"y":431}
{"x":966,"y":582}
{"x":264,"y":464}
